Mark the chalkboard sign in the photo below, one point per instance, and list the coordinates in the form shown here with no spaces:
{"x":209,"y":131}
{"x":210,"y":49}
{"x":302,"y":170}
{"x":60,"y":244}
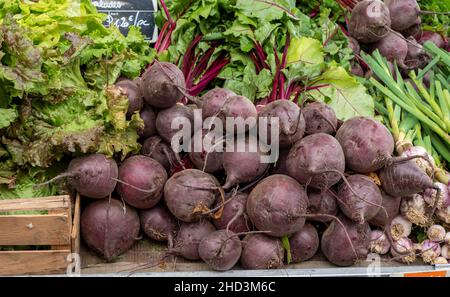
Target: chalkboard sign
{"x":126,"y":13}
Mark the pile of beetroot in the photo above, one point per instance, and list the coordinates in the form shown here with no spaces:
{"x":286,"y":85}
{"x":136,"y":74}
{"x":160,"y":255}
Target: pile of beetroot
{"x":394,"y":28}
{"x":336,"y":187}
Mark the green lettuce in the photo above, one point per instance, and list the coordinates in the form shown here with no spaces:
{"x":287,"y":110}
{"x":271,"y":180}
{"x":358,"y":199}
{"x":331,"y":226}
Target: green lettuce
{"x":25,"y":184}
{"x":58,"y":64}
{"x":7,"y":116}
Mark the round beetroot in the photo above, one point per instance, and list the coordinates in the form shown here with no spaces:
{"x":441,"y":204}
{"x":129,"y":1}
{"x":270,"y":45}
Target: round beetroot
{"x":189,"y":237}
{"x":280,"y":166}
{"x":165,"y":118}
{"x":148,"y":115}
{"x":291,"y":121}
{"x":337,"y":246}
{"x":366,"y":143}
{"x":243,"y":162}
{"x":322,"y":202}
{"x":391,"y":205}
{"x":319,"y":118}
{"x":304,"y":243}
{"x":143,"y":173}
{"x":260,"y":251}
{"x":370,"y":21}
{"x":109,"y":228}
{"x":160,"y":151}
{"x":93,"y":176}
{"x":278,"y":204}
{"x":210,"y":152}
{"x":434,"y":37}
{"x":213,"y":100}
{"x":360,"y":199}
{"x":190,"y":192}
{"x":404,"y":13}
{"x":221,"y":250}
{"x":238,"y":107}
{"x":417,"y":57}
{"x":158,"y":223}
{"x":311,"y":158}
{"x":393,"y":47}
{"x":161,"y":84}
{"x":237,"y":205}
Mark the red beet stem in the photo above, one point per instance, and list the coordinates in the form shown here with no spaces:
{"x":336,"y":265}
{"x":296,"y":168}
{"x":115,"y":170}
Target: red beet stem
{"x":166,"y":12}
{"x":283,"y":65}
{"x":209,"y":75}
{"x":188,"y":59}
{"x":289,"y":90}
{"x":256,"y":62}
{"x":261,"y":55}
{"x":161,"y":35}
{"x":344,"y":30}
{"x":273,"y":94}
{"x":203,"y":63}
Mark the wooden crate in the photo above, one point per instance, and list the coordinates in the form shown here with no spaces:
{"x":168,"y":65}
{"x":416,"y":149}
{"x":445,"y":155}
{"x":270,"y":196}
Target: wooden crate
{"x":57,"y":232}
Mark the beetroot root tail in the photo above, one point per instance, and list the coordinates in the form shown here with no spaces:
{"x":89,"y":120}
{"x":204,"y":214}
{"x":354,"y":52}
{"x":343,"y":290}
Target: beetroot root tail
{"x":58,"y":177}
{"x":352,"y":190}
{"x":340,"y":223}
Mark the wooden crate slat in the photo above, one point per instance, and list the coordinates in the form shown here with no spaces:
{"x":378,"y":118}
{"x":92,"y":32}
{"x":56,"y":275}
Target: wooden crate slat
{"x":33,"y":262}
{"x":47,"y":203}
{"x":54,"y":229}
{"x":35,"y":230}
{"x":75,"y":232}
{"x":69,"y":224}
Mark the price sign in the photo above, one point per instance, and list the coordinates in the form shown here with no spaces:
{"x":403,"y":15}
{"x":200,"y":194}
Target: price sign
{"x":126,"y":13}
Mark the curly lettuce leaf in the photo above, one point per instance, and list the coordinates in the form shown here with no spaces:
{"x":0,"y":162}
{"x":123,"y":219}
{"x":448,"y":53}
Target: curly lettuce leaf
{"x":7,"y":116}
{"x":51,"y":130}
{"x":56,"y":58}
{"x":20,"y":70}
{"x":110,"y":56}
{"x":24,"y":186}
{"x":140,"y":55}
{"x":123,"y":136}
{"x":82,"y":123}
{"x":8,"y":169}
{"x":124,"y":141}
{"x":48,"y":20}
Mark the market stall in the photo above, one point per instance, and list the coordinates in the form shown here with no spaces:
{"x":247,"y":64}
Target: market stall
{"x":247,"y":136}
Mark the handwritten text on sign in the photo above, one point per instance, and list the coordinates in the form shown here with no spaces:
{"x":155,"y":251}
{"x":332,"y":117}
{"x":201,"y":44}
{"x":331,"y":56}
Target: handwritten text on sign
{"x":126,"y":13}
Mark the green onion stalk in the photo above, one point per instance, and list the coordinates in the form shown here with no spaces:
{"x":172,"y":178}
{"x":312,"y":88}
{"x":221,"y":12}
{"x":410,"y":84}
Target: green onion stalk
{"x":404,"y":129}
{"x":418,"y":117}
{"x":422,"y":106}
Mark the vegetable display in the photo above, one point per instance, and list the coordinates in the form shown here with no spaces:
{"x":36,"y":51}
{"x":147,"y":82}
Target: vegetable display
{"x":360,"y":132}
